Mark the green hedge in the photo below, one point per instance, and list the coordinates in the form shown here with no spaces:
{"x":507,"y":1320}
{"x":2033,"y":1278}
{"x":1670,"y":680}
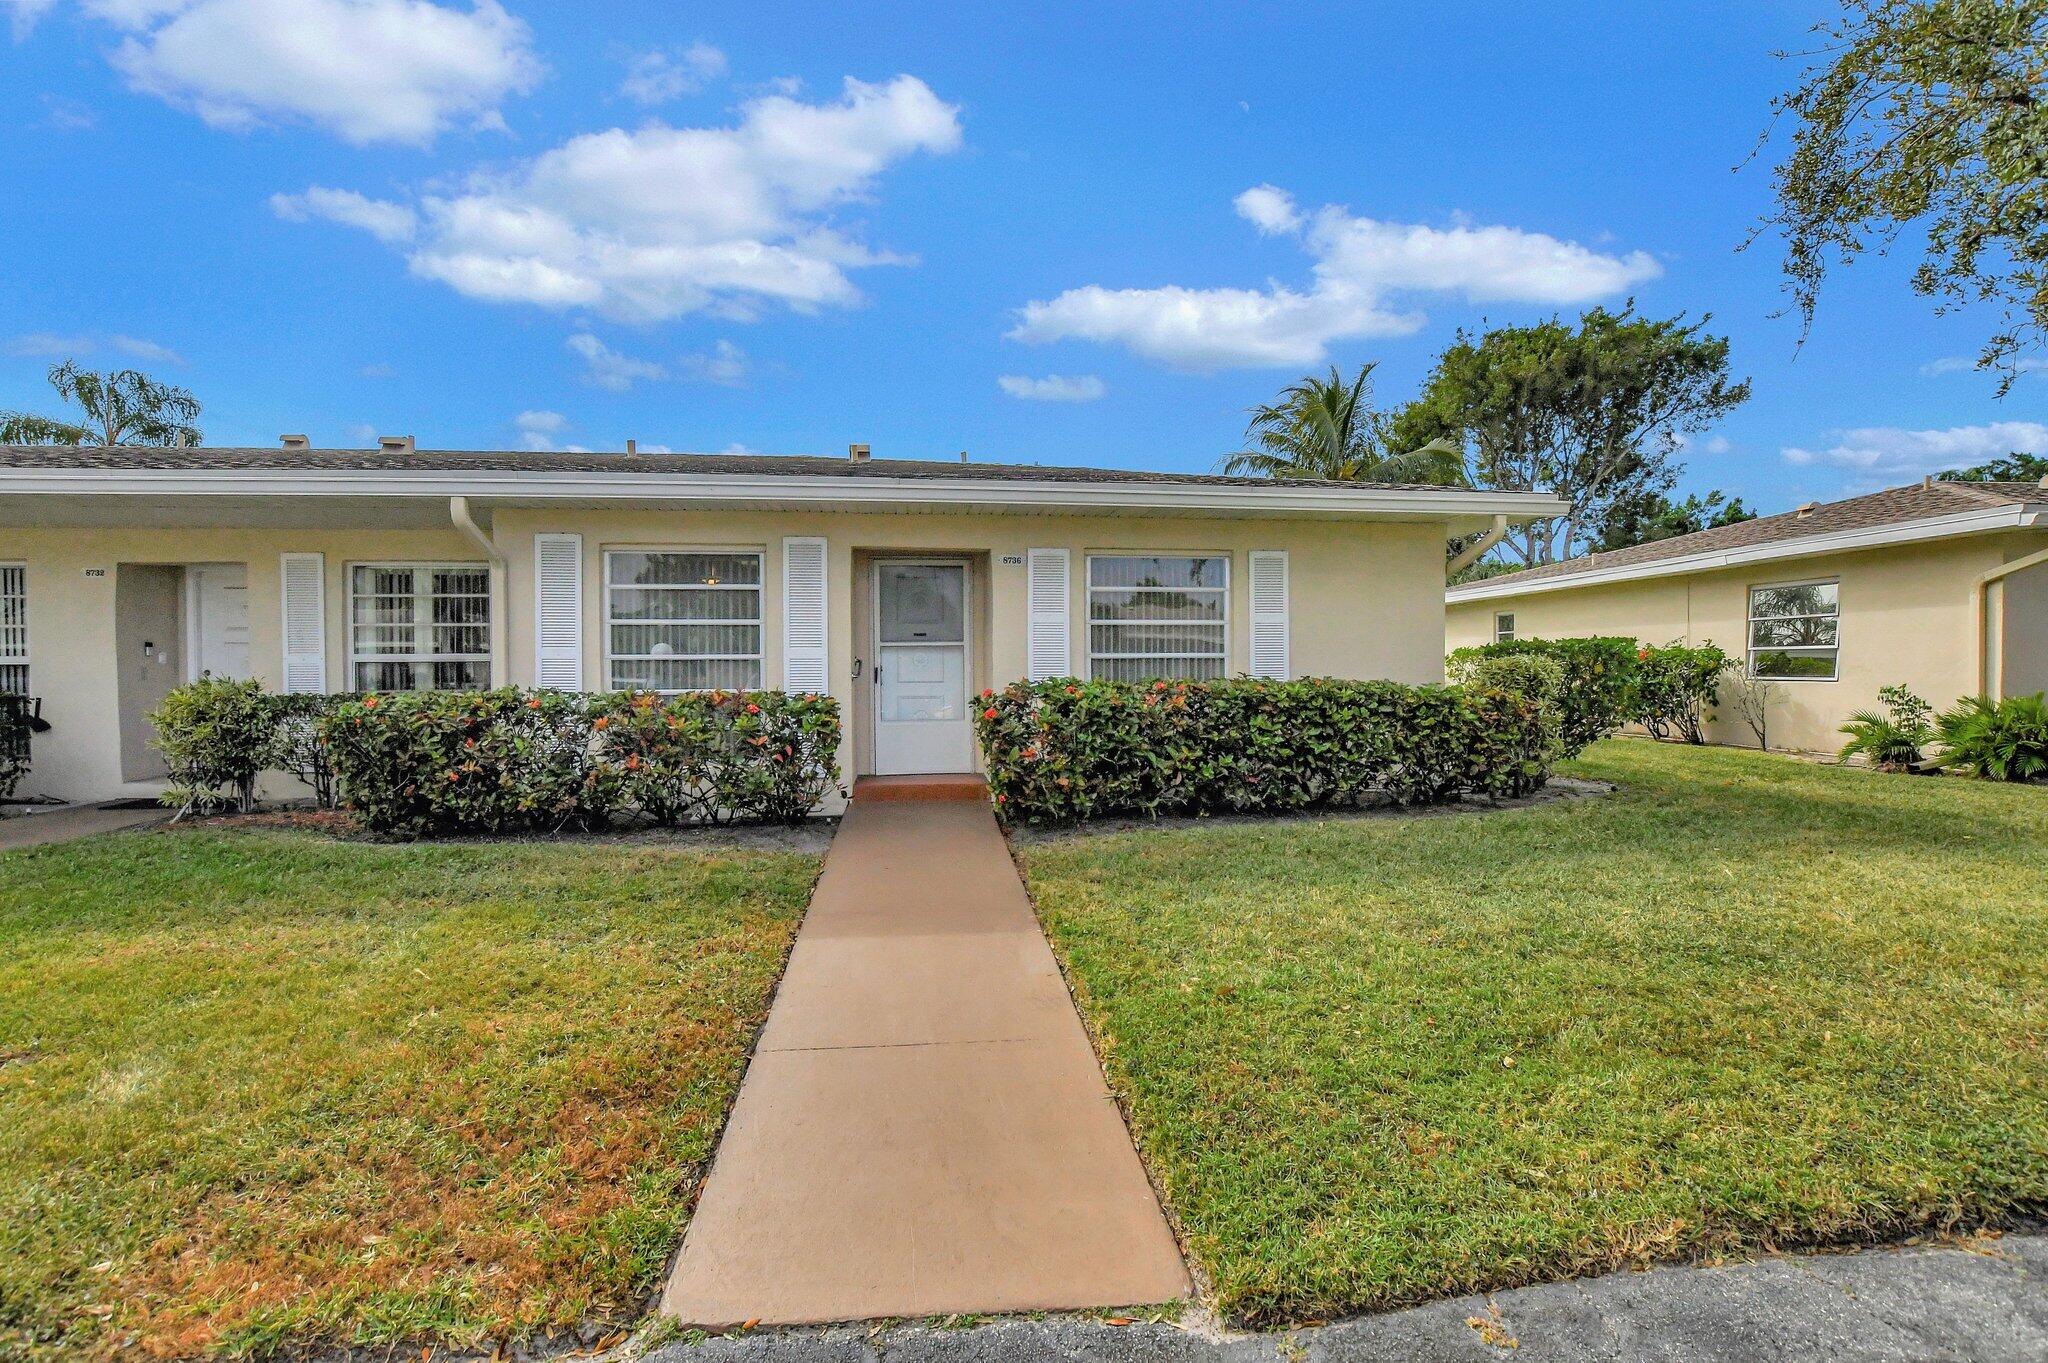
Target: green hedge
{"x":1064,"y":750}
{"x":218,"y":736}
{"x":1596,"y":695}
{"x":14,"y":744}
{"x":505,"y":761}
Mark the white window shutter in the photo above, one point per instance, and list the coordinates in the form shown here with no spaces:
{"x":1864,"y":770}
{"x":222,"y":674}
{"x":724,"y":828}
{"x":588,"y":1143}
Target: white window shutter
{"x":1269,"y":614}
{"x":803,"y":615}
{"x":558,"y":612}
{"x":304,"y":591}
{"x":1049,"y":609}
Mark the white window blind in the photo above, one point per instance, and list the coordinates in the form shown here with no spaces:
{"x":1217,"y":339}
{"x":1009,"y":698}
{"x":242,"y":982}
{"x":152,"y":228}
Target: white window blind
{"x":1158,"y":615}
{"x":683,"y":620}
{"x":14,"y":628}
{"x":1794,"y":631}
{"x":420,"y":626}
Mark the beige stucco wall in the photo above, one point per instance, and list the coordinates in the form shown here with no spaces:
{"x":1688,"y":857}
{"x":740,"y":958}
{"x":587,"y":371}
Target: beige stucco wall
{"x":1365,"y":597}
{"x":2022,"y":636}
{"x":1909,"y":615}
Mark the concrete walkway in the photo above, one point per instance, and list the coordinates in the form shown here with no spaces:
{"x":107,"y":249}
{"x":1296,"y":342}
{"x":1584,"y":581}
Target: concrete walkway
{"x":71,"y":823}
{"x":1927,"y":1305}
{"x":924,"y":1129}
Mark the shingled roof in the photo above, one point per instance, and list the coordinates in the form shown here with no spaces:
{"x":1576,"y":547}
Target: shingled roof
{"x":1893,"y":506}
{"x":196,"y":459}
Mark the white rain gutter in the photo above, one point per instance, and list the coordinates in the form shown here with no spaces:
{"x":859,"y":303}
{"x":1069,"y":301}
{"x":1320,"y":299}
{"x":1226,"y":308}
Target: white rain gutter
{"x":1478,"y":548}
{"x":459,"y":514}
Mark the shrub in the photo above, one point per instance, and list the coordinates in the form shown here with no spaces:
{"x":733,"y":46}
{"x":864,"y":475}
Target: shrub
{"x":298,"y":749}
{"x":216,"y":736}
{"x":1891,"y":739}
{"x":2005,"y":740}
{"x":14,"y":743}
{"x":1598,"y":682}
{"x":1063,"y":750}
{"x":1673,"y":687}
{"x":506,"y":761}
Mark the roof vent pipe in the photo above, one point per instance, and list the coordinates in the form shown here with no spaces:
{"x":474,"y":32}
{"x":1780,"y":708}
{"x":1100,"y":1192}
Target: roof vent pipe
{"x":1805,"y":510}
{"x":632,"y":447}
{"x":295,"y":442}
{"x":395,"y":444}
{"x":859,"y":454}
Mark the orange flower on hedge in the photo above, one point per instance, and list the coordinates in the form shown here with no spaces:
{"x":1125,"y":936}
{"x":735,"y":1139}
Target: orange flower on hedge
{"x":369,"y":702}
{"x":633,"y":762}
{"x":602,"y":721}
{"x":753,"y":709}
{"x":986,"y":694}
{"x":989,"y":713}
{"x":533,"y":704}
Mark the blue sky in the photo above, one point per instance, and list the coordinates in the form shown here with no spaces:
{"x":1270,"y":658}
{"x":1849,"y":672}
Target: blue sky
{"x":787,"y":227}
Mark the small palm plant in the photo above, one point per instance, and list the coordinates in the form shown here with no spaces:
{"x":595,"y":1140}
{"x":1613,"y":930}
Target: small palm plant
{"x":1890,"y":740}
{"x":1997,"y":740}
{"x":1327,"y":428}
{"x":127,"y":407}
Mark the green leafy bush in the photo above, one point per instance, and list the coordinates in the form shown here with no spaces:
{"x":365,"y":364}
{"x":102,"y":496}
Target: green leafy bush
{"x":1890,"y":739}
{"x":436,"y":762}
{"x":1523,"y":674}
{"x":14,"y":743}
{"x":2004,"y":740}
{"x":1595,"y":693}
{"x":1064,"y":750}
{"x":1673,"y":686}
{"x":216,"y":736}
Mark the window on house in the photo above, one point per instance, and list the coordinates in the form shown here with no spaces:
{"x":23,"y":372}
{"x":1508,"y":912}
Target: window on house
{"x":420,"y":626}
{"x":1794,"y":631}
{"x":1504,"y":627}
{"x":14,"y":628}
{"x":1152,"y":616}
{"x":683,"y":620}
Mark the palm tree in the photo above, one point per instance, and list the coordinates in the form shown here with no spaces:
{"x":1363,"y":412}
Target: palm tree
{"x":126,"y":407}
{"x":1327,"y":428}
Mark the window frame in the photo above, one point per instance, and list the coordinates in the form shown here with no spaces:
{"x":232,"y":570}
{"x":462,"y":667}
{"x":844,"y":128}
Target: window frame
{"x":1501,"y":636}
{"x":1088,"y":590}
{"x":26,"y":659}
{"x":490,"y":625}
{"x":1750,"y":618}
{"x":760,"y":620}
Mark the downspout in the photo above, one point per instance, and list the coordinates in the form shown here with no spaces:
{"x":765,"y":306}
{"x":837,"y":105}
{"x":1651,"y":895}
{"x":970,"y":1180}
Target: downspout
{"x":459,"y":514}
{"x":1984,"y":680}
{"x":1478,"y":548}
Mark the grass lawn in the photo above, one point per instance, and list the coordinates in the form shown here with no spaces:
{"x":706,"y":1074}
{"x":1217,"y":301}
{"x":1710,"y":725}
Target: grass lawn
{"x":264,"y":1088}
{"x":1746,"y":1001}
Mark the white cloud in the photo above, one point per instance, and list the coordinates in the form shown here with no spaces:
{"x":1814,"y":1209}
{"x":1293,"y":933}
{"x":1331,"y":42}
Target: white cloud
{"x":657,"y":77}
{"x":652,"y":224}
{"x":378,"y":371}
{"x":1964,"y":364}
{"x":1053,"y":387}
{"x":1269,"y":209}
{"x":366,"y":70}
{"x":1892,"y":454}
{"x":1360,"y":266}
{"x":538,"y":429}
{"x":51,"y":345}
{"x":389,"y":222}
{"x":68,"y":115}
{"x":609,"y":369}
{"x":725,"y":364}
{"x":23,"y":14}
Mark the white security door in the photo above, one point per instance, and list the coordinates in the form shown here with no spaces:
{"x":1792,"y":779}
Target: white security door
{"x":921,"y":668}
{"x":218,"y":598}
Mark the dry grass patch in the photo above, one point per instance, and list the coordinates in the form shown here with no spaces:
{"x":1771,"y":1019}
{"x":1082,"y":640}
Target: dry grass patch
{"x":264,"y":1088}
{"x":1743,"y":1002}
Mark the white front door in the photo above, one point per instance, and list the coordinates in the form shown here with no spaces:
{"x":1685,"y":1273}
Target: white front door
{"x":921,"y":668}
{"x":217,"y":631}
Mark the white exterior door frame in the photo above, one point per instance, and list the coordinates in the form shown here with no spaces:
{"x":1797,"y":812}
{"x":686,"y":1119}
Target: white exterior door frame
{"x":921,"y":746}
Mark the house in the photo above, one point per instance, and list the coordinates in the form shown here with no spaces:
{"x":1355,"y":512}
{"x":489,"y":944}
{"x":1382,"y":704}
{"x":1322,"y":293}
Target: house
{"x":1940,"y":586}
{"x":899,"y":587}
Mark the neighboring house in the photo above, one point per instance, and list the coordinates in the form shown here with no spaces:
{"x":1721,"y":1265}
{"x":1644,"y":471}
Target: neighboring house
{"x":1940,"y":586}
{"x":901,"y":588}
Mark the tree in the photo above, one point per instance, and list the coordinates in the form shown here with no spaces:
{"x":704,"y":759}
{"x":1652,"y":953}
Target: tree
{"x":1327,"y":428}
{"x":2017,"y":467}
{"x":1652,"y":516}
{"x":1590,"y":414}
{"x":122,"y":408}
{"x":1930,"y":115}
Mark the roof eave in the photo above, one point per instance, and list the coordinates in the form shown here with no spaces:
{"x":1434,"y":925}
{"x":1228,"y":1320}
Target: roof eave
{"x":794,"y":489}
{"x":2016,"y":516}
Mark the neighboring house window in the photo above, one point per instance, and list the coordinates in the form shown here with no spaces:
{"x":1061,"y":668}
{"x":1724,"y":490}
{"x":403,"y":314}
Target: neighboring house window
{"x":420,"y":626}
{"x":683,"y":620}
{"x":14,"y":628}
{"x":1164,"y":615}
{"x":1504,"y":627}
{"x":1794,"y":631}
